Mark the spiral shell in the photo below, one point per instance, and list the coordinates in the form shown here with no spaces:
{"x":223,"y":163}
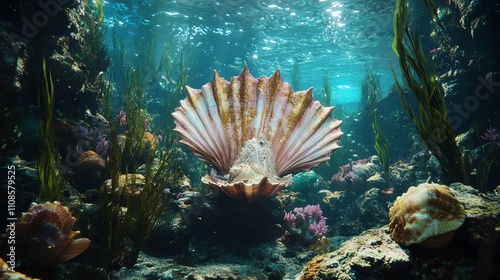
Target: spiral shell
{"x":47,"y":230}
{"x":254,"y":133}
{"x":427,"y":214}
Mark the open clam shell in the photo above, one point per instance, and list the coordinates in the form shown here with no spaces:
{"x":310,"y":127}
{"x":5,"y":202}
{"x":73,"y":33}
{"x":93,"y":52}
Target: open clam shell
{"x":256,"y":127}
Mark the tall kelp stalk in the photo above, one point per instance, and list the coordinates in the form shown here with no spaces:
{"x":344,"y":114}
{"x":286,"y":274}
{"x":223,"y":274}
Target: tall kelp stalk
{"x":484,"y":166}
{"x":326,"y":95}
{"x":129,"y":217}
{"x":370,"y":81}
{"x":381,"y":142}
{"x":51,"y":184}
{"x":95,"y":53}
{"x":151,"y":201}
{"x":135,"y":109}
{"x":432,"y":123}
{"x":174,"y":89}
{"x":114,"y":222}
{"x":433,"y":12}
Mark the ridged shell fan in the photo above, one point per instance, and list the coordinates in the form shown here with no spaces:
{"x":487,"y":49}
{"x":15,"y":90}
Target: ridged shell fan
{"x":255,"y":133}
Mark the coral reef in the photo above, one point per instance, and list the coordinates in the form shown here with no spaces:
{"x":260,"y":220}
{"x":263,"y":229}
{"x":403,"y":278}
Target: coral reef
{"x":258,"y":120}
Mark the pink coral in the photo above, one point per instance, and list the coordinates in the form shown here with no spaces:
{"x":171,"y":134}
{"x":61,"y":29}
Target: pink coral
{"x":308,"y":223}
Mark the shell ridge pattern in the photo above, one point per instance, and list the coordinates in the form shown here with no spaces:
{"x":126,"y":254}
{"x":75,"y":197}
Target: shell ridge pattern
{"x":212,"y":126}
{"x":195,"y":129}
{"x":207,"y":129}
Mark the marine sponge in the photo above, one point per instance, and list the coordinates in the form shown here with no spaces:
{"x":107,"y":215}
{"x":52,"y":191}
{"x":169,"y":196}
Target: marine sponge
{"x":427,"y":215}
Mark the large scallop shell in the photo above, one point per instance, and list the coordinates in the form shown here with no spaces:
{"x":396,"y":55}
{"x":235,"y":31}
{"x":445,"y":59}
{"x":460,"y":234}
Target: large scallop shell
{"x":255,"y":132}
{"x":427,"y":214}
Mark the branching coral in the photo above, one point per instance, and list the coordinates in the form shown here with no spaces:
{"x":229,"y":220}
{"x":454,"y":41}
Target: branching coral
{"x":432,"y":123}
{"x":306,"y":223}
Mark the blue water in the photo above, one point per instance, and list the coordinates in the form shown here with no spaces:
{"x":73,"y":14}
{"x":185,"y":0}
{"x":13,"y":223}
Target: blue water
{"x":339,"y":38}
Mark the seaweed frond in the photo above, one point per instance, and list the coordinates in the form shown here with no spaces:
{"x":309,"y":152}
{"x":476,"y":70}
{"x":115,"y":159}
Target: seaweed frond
{"x":51,"y":184}
{"x":431,"y":121}
{"x":433,"y":12}
{"x":484,"y":166}
{"x":381,"y":141}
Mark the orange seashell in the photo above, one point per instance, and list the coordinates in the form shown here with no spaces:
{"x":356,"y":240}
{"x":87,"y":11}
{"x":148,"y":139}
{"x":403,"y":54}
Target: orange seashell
{"x":47,"y":231}
{"x":255,"y":133}
{"x":427,"y":215}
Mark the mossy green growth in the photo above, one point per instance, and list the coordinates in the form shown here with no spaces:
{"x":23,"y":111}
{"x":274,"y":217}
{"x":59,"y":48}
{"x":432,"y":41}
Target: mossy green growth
{"x":51,"y":183}
{"x":431,"y":121}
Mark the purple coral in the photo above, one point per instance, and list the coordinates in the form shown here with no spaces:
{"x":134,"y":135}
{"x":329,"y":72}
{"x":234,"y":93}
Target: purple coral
{"x":308,"y":223}
{"x":89,"y":139}
{"x":491,"y":135}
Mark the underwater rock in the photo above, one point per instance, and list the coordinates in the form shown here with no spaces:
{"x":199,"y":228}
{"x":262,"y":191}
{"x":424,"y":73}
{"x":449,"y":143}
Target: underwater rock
{"x":427,"y":215}
{"x":304,"y":181}
{"x":46,"y":232}
{"x":375,"y":255}
{"x":371,"y":255}
{"x":254,"y":133}
{"x":29,"y":132}
{"x":371,"y":209}
{"x":169,"y":237}
{"x":354,"y":175}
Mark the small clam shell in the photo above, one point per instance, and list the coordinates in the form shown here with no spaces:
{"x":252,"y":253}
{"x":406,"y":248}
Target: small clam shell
{"x":280,"y":131}
{"x":427,"y":214}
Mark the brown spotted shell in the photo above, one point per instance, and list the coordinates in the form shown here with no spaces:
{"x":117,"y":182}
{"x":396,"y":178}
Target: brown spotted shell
{"x":47,"y":231}
{"x":427,"y":214}
{"x":254,"y":132}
